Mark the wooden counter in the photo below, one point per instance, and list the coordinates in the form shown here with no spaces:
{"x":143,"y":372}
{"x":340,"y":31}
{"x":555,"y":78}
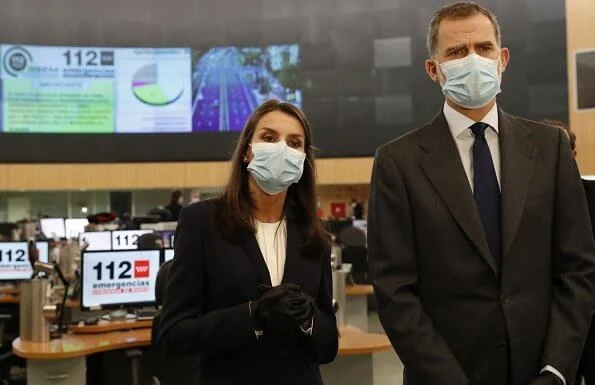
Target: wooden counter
{"x":77,"y":345}
{"x":8,"y":299}
{"x":352,"y":342}
{"x":9,"y":295}
{"x":356,"y":290}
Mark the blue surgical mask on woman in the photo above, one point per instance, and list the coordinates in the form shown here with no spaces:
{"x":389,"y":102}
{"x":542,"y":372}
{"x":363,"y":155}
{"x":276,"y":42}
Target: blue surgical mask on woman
{"x":276,"y":166}
{"x":471,"y":82}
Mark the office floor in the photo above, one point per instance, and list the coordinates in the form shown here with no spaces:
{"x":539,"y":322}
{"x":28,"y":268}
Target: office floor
{"x":388,"y":369}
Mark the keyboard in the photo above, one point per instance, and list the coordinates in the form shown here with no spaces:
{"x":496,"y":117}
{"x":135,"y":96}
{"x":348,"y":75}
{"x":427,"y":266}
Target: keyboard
{"x":146,"y":314}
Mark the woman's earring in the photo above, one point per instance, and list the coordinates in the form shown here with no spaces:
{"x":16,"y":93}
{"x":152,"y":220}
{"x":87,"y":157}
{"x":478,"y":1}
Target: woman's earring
{"x":245,"y":159}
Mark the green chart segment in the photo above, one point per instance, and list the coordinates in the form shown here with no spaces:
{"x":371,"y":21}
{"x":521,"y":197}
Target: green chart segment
{"x":156,"y":85}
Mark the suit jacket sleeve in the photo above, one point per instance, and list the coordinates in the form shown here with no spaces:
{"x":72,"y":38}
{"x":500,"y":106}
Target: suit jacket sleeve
{"x":391,"y":243}
{"x":324,"y":339}
{"x":573,"y":268}
{"x":185,"y":325}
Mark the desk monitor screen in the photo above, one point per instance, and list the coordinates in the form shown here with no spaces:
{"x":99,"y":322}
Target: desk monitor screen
{"x":44,"y":250}
{"x":126,"y":239}
{"x":75,"y":226}
{"x":117,"y":278}
{"x":14,"y":260}
{"x":361,"y":224}
{"x":53,"y":227}
{"x":97,"y":240}
{"x":169,"y":254}
{"x":166,"y":237}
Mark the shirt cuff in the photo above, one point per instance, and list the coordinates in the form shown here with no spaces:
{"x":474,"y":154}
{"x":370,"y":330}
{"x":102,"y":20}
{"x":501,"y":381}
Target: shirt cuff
{"x":554,"y":371}
{"x":308,"y":331}
{"x":257,"y":333}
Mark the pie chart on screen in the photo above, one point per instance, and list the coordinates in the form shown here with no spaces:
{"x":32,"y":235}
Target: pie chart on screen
{"x":157,"y":85}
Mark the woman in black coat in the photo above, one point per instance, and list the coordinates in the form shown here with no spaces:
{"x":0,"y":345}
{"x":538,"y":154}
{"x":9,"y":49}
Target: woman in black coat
{"x":250,"y":288}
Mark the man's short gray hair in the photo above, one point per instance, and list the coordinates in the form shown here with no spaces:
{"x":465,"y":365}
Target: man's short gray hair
{"x":455,"y":11}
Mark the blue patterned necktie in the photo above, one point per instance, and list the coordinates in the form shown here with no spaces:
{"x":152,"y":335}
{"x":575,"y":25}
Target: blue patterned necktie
{"x":486,"y":190}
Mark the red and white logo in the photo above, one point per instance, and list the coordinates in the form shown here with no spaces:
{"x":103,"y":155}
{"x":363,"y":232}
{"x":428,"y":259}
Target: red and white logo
{"x":141,"y":268}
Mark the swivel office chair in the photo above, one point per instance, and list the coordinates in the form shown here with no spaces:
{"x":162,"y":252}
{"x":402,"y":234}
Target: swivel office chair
{"x":357,"y":256}
{"x":9,"y":330}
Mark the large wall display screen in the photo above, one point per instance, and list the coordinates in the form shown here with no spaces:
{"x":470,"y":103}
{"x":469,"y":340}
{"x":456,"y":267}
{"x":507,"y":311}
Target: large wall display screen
{"x":83,"y":90}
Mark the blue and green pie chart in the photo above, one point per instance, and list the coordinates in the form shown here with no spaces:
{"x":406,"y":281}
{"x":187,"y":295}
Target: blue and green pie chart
{"x":157,"y":85}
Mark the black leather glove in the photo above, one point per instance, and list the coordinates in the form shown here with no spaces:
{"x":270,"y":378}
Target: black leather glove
{"x":265,"y":310}
{"x":299,"y":306}
{"x":547,"y":378}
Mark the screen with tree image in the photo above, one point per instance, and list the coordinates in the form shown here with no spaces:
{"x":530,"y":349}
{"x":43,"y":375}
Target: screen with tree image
{"x":229,"y":83}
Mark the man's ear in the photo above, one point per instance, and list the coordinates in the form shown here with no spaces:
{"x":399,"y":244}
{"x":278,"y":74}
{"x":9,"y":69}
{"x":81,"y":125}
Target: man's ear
{"x":504,"y":58}
{"x":432,"y":70}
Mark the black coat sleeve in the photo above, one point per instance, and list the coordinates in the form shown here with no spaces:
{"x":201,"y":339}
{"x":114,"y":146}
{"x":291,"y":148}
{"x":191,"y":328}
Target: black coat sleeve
{"x":185,"y":325}
{"x":324,"y":339}
{"x":573,"y":268}
{"x":393,"y":265}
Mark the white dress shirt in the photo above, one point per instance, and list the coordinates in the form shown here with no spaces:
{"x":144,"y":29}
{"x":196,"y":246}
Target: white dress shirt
{"x":272,"y":240}
{"x":460,"y":130}
{"x":459,"y":126}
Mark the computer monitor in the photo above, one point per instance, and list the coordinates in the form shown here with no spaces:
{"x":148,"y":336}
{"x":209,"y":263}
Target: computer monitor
{"x":97,"y":240}
{"x":14,"y":260}
{"x":166,"y":236}
{"x":53,"y":227}
{"x":44,"y":250}
{"x":75,"y":226}
{"x":118,"y":278}
{"x":361,"y":224}
{"x":126,"y":239}
{"x":169,"y":254}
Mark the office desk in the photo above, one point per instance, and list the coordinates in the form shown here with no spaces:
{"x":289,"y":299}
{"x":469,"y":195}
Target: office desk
{"x":63,"y":361}
{"x":356,"y":305}
{"x":8,"y":299}
{"x":9,"y":295}
{"x":355,"y":361}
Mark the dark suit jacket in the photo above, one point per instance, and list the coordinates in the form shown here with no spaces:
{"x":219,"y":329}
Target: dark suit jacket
{"x":206,"y":308}
{"x":453,"y":316}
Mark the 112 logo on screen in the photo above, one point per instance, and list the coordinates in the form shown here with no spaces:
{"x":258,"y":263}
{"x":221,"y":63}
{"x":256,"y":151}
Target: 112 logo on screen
{"x":141,"y":268}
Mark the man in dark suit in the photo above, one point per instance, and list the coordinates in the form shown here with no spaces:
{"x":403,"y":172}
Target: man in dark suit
{"x":479,"y":238}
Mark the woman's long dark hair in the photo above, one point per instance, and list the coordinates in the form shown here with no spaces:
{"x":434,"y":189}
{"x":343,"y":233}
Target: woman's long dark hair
{"x":235,"y":206}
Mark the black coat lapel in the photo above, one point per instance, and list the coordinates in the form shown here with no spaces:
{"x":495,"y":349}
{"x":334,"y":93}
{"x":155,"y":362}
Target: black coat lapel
{"x":441,"y":162}
{"x":252,"y":250}
{"x":292,"y":256}
{"x":517,"y":158}
{"x":300,"y":269}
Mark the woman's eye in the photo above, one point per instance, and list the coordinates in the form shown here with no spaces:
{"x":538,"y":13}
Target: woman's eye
{"x":269,"y":138}
{"x":294,"y":143}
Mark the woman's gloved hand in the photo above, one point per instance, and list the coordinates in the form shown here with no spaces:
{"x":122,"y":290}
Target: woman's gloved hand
{"x":298,"y":305}
{"x":266,"y":312}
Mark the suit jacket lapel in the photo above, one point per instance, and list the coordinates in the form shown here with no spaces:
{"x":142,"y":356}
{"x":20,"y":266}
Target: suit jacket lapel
{"x":517,"y":158}
{"x":252,"y":250}
{"x":441,"y":163}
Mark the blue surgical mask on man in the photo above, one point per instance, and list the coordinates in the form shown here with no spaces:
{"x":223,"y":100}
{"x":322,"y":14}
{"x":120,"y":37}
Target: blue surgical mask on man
{"x":472,"y":81}
{"x":276,"y":166}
